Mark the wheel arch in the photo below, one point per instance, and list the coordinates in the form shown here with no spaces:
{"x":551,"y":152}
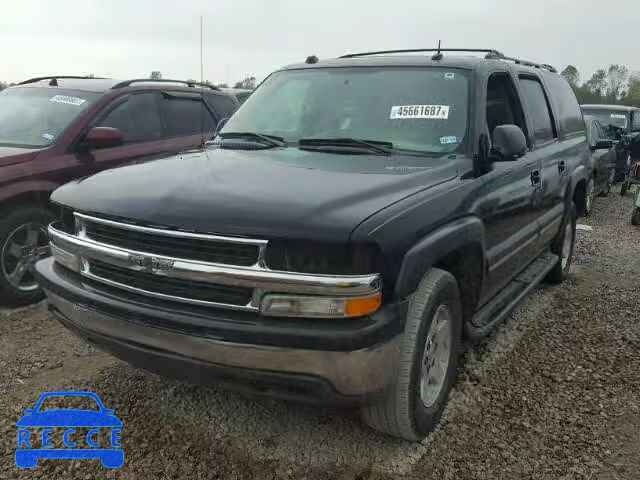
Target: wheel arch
{"x":458,"y":248}
{"x":38,"y":197}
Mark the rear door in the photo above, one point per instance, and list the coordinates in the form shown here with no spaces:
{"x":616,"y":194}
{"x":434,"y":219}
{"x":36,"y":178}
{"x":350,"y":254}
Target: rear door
{"x":548,"y":150}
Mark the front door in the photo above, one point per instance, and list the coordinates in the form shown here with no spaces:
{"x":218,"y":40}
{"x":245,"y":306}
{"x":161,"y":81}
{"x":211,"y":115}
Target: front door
{"x":511,"y":202}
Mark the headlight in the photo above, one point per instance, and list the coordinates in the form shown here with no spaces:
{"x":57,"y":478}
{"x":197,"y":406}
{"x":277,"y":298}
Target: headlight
{"x":319,"y":307}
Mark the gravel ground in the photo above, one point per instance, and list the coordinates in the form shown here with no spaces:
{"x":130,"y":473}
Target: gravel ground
{"x":553,"y":393}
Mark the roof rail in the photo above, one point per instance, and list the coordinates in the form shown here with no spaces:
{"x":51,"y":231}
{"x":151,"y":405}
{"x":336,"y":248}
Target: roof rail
{"x":519,"y":61}
{"x":56,"y":77}
{"x":491,"y":54}
{"x":418,"y":50}
{"x":128,"y":83}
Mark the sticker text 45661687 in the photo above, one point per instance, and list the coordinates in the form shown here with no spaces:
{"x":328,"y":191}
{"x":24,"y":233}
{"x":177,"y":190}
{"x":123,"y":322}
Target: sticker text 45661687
{"x":436,"y":112}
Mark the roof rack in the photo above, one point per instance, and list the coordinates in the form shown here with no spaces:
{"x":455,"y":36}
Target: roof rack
{"x":418,"y":50}
{"x":128,"y":83}
{"x":56,"y":77}
{"x":491,"y":54}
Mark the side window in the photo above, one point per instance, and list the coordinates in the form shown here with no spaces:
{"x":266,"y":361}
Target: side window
{"x":223,"y":105}
{"x":593,"y":133}
{"x":565,"y":103}
{"x":635,"y":121}
{"x":503,"y":107}
{"x":137,"y":117}
{"x":599,"y":131}
{"x":186,"y":116}
{"x":535,"y":102}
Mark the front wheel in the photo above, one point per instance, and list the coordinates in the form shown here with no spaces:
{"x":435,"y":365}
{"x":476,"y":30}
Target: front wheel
{"x":411,"y":407}
{"x":589,"y":196}
{"x":23,"y":241}
{"x":610,"y":181}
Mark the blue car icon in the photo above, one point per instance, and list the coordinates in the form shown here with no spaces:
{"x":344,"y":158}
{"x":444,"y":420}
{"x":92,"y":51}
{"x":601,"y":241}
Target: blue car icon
{"x":68,"y":418}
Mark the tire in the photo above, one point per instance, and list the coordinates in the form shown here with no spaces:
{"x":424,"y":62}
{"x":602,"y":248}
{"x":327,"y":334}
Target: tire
{"x":635,"y":216}
{"x":610,"y":181}
{"x":12,"y":236}
{"x":589,"y":196}
{"x":401,"y":411}
{"x":623,"y":188}
{"x":560,"y":271}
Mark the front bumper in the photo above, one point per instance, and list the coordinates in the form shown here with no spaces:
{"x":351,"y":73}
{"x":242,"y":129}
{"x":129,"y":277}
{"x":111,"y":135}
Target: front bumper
{"x":345,"y":361}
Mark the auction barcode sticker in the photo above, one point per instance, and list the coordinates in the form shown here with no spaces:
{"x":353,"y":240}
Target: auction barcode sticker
{"x":68,"y":100}
{"x":438,"y":112}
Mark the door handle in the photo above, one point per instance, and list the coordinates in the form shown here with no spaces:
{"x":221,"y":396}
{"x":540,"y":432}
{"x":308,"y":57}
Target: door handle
{"x":535,"y":177}
{"x":562,"y":167}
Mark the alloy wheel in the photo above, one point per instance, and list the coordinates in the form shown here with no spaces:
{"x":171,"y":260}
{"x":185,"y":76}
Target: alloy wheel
{"x":435,"y":359}
{"x":22,"y":249}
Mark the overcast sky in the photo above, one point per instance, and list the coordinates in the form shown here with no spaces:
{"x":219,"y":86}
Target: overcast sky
{"x":130,"y":38}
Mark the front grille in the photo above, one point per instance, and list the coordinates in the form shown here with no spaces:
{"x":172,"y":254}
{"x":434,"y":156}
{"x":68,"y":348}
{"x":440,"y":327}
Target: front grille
{"x":173,"y":287}
{"x":197,"y":249}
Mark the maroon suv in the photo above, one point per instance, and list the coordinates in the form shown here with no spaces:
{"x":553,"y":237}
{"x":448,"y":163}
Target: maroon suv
{"x":56,"y":129}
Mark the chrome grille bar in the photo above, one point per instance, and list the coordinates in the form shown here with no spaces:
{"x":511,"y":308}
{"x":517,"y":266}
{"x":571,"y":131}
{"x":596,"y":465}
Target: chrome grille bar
{"x":257,"y":276}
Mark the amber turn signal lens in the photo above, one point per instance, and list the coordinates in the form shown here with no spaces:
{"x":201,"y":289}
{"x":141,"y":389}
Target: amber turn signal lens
{"x":358,"y":307}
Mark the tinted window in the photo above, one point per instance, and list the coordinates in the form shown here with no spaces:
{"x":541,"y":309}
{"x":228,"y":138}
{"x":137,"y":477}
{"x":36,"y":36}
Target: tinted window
{"x":635,"y":124}
{"x":137,"y":118}
{"x":242,"y":96}
{"x":187,"y":116}
{"x":223,"y":105}
{"x":537,"y":107}
{"x":502,"y":105}
{"x":417,"y":109}
{"x":566,"y":105}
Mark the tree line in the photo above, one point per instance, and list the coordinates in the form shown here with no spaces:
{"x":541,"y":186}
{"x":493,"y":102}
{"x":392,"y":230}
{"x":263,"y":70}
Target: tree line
{"x":613,"y":85}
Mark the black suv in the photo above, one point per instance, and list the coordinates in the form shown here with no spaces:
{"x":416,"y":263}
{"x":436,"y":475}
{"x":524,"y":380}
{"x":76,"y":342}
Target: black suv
{"x":622,"y":124}
{"x":353,"y":222}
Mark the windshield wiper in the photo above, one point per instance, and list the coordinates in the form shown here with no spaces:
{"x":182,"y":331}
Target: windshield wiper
{"x":271,"y":140}
{"x":372,"y":145}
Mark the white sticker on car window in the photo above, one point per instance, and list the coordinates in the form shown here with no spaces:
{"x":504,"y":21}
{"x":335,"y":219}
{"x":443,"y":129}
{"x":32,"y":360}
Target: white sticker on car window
{"x":447,"y":140}
{"x":436,"y":112}
{"x":449,"y":75}
{"x":48,"y":136}
{"x":68,"y":100}
{"x":617,"y":115}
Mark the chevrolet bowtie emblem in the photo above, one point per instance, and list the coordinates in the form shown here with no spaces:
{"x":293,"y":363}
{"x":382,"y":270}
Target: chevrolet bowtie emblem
{"x":143,"y":263}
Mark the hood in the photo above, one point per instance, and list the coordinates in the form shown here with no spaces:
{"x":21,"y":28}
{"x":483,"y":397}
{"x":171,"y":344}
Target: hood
{"x":12,"y":155}
{"x":286,"y":193}
{"x":69,"y":418}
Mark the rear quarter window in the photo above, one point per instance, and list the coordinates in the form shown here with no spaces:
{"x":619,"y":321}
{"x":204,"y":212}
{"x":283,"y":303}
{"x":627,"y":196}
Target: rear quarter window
{"x":566,"y":107}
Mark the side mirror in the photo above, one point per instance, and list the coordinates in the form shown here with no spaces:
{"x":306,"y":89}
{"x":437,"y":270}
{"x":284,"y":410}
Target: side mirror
{"x":29,"y":411}
{"x":509,"y":143}
{"x":602,"y":144}
{"x":103,"y":137}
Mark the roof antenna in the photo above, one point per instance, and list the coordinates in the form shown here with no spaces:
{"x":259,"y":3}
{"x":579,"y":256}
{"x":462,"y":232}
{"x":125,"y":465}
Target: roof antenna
{"x":438,"y":55}
{"x":202,"y":107}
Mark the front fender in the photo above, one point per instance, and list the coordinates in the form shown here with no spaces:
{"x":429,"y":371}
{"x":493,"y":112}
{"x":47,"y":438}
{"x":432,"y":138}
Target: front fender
{"x":436,"y":246}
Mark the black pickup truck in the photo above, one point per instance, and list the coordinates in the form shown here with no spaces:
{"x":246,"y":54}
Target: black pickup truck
{"x":351,"y":224}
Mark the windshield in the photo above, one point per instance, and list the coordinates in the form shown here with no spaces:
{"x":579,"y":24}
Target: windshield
{"x":608,"y":117}
{"x":416,"y":109}
{"x":35,"y":117}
